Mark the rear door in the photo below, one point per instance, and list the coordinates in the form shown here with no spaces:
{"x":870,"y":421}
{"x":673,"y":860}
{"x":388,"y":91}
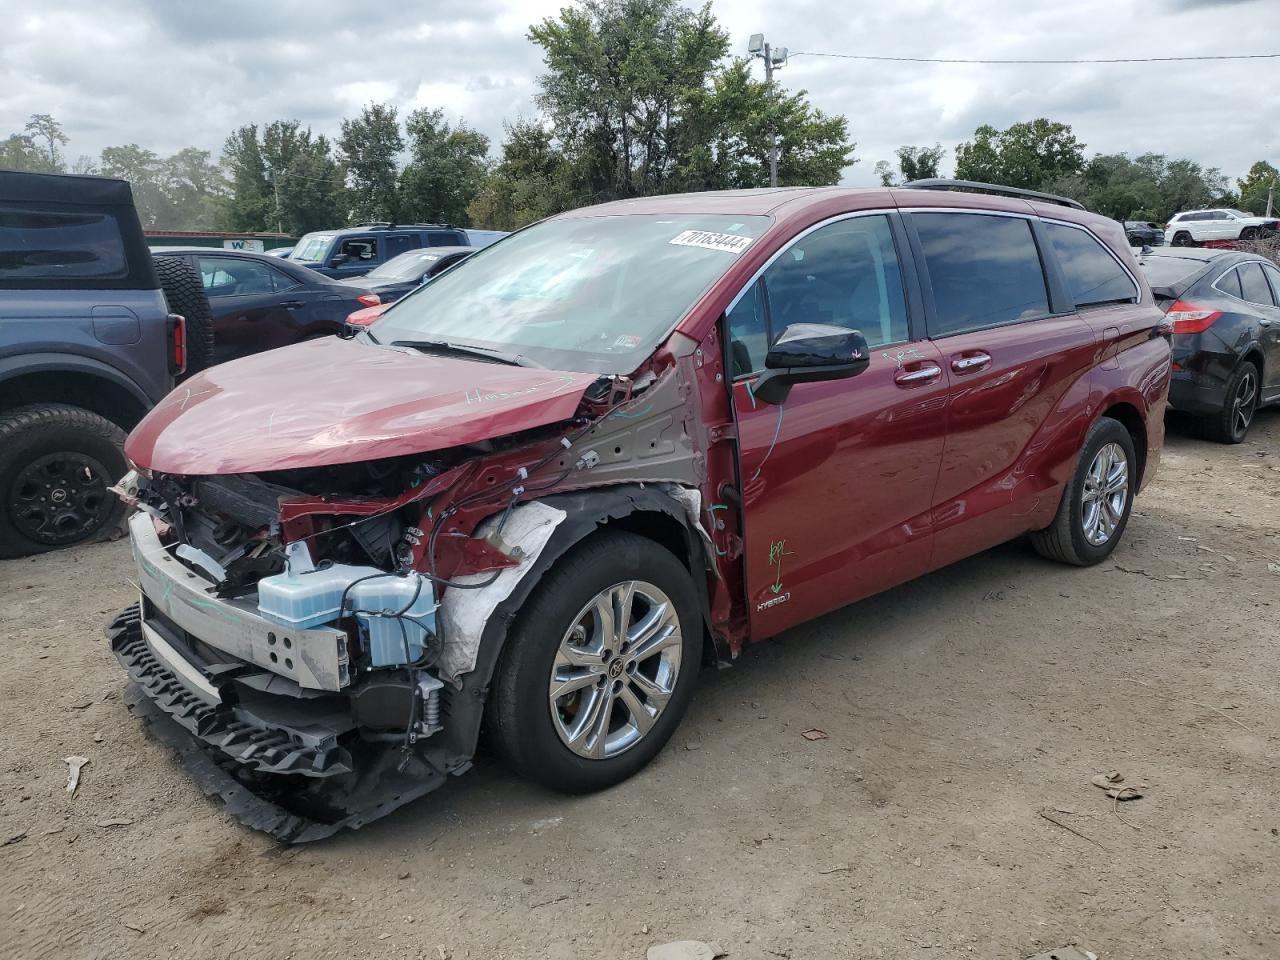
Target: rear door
{"x":253,"y":305}
{"x":1269,"y":320}
{"x":1012,"y":348}
{"x":837,"y":481}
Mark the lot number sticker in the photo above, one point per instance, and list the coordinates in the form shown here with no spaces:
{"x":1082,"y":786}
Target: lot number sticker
{"x":728,"y":242}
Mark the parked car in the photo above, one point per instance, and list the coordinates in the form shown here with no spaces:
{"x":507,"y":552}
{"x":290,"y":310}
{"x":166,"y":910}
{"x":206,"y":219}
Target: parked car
{"x":483,"y":238}
{"x":279,"y":251}
{"x":1198,"y":226}
{"x":1141,"y":233}
{"x":1225,"y":310}
{"x":407,"y":272}
{"x":540,"y":489}
{"x":259,"y":302}
{"x":88,"y":343}
{"x":354,"y":251}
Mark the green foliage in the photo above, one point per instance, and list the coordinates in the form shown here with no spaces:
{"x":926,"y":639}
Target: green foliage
{"x":446,"y":168}
{"x":1149,"y":187}
{"x":914,"y":163}
{"x":286,"y":180}
{"x":1025,"y":155}
{"x":532,"y":180}
{"x":46,"y":134}
{"x":370,"y":146}
{"x":1255,"y":186}
{"x":19,"y":152}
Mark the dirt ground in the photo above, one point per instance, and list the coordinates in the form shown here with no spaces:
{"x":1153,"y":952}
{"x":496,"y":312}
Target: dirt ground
{"x":948,"y":813}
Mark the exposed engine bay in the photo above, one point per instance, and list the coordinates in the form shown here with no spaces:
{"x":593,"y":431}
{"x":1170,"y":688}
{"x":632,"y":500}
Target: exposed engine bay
{"x":324,"y":633}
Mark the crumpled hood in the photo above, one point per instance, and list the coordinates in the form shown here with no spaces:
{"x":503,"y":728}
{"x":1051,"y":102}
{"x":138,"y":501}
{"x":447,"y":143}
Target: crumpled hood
{"x":333,"y":401}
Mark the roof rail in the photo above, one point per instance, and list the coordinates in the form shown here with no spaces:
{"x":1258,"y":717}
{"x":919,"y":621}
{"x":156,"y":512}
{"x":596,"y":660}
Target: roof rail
{"x":387,"y":225}
{"x":973,"y":186}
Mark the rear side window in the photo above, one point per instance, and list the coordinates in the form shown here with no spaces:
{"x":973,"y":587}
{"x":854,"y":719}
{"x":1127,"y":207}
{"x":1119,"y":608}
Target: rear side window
{"x":1230,"y":283}
{"x":37,"y":245}
{"x":401,"y":243}
{"x":1254,"y":284}
{"x":1093,"y":275}
{"x":1274,"y":276}
{"x":984,"y":271}
{"x":444,"y":238}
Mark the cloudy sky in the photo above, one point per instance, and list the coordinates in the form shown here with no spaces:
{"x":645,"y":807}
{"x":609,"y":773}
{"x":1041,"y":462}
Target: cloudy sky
{"x":173,"y":73}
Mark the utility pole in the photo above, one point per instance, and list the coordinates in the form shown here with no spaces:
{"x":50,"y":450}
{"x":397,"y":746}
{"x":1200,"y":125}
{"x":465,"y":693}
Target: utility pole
{"x":775,"y":58}
{"x":1271,"y":198}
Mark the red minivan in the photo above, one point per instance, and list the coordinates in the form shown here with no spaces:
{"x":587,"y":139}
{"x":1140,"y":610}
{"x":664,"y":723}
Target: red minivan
{"x":538,"y":494}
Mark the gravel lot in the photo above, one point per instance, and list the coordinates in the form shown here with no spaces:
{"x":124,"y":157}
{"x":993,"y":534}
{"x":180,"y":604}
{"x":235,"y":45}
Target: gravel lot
{"x":949,"y":811}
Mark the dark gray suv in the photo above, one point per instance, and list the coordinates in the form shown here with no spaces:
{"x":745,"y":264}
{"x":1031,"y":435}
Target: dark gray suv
{"x":88,"y":344}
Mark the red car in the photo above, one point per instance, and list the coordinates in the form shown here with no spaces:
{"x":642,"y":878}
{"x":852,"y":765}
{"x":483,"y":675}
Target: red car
{"x":540,"y":492}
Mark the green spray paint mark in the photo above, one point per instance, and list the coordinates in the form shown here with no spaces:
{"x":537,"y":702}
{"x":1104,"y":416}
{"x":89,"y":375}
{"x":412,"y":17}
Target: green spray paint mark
{"x":777,"y":550}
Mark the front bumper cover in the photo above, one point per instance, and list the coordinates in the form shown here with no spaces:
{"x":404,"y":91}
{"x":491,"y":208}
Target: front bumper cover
{"x":269,"y":777}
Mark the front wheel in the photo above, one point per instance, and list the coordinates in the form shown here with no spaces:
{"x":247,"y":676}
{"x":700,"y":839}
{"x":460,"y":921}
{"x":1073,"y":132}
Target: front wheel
{"x":1096,"y":503}
{"x":600,"y":666}
{"x":1182,"y":239}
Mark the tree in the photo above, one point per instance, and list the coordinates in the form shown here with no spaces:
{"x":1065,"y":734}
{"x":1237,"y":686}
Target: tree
{"x":142,"y":168}
{"x":46,"y":133}
{"x":19,"y":152}
{"x":1255,"y":186}
{"x":195,"y":187}
{"x":447,"y":166}
{"x":1147,"y":187}
{"x":532,"y":180}
{"x":369,"y":145}
{"x":1026,"y":155}
{"x":251,"y":202}
{"x":285,"y":179}
{"x":914,"y":163}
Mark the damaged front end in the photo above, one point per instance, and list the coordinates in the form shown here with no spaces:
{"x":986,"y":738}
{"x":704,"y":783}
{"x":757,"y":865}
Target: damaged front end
{"x":316,"y":642}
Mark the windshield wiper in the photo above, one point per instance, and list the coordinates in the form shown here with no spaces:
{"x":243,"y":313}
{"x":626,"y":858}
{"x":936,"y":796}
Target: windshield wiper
{"x":467,"y":349}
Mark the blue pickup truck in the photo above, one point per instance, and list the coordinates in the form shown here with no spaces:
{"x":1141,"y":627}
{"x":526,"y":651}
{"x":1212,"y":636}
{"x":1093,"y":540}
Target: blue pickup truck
{"x":354,"y":251}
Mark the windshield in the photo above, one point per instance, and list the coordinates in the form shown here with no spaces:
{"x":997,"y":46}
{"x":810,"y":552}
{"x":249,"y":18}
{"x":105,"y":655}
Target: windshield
{"x":407,"y":266}
{"x":312,"y":247}
{"x":587,"y":294}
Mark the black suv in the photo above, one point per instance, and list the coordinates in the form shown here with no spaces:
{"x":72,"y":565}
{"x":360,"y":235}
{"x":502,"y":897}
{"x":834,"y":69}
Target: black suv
{"x":354,"y":251}
{"x":91,"y":336}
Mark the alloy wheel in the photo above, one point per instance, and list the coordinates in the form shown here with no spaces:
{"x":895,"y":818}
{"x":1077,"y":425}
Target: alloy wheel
{"x":1243,"y":405}
{"x":615,"y":670}
{"x":1105,"y":495}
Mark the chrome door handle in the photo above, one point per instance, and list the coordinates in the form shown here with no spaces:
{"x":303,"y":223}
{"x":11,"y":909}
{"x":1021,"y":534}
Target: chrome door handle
{"x":961,"y":364}
{"x":923,"y":375}
{"x":1264,"y":322}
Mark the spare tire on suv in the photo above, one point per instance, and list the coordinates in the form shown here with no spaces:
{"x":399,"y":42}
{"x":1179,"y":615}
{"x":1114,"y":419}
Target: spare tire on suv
{"x":185,"y":295}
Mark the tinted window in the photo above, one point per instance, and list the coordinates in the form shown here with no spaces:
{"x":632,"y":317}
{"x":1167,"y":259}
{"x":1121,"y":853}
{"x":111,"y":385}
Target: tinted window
{"x":399,"y":243}
{"x":984,"y":270}
{"x":36,"y":245}
{"x":233,"y":277}
{"x":1254,"y":284}
{"x":444,"y":238}
{"x":748,"y":332}
{"x":1230,"y":283}
{"x":1274,"y":276}
{"x":844,"y":274}
{"x":1093,"y":275}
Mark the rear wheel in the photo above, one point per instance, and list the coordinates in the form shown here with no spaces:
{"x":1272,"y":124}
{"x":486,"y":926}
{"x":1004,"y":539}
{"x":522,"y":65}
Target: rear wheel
{"x":600,"y":667}
{"x":1096,"y":503}
{"x":184,"y":292}
{"x":56,"y":463}
{"x":1239,"y":404}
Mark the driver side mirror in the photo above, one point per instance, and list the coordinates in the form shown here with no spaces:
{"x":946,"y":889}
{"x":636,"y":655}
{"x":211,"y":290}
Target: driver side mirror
{"x":338,"y":259}
{"x":810,"y":353}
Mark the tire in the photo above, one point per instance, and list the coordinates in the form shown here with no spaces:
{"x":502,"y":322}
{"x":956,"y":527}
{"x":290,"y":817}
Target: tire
{"x":519,"y":713}
{"x":1134,"y":240}
{"x":1249,"y":233}
{"x":49,"y":445}
{"x":1182,"y":239}
{"x":184,"y":293}
{"x":1239,"y":404}
{"x":1066,"y":539}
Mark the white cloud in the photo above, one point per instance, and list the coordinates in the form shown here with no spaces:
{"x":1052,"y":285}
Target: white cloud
{"x":170,"y":74}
